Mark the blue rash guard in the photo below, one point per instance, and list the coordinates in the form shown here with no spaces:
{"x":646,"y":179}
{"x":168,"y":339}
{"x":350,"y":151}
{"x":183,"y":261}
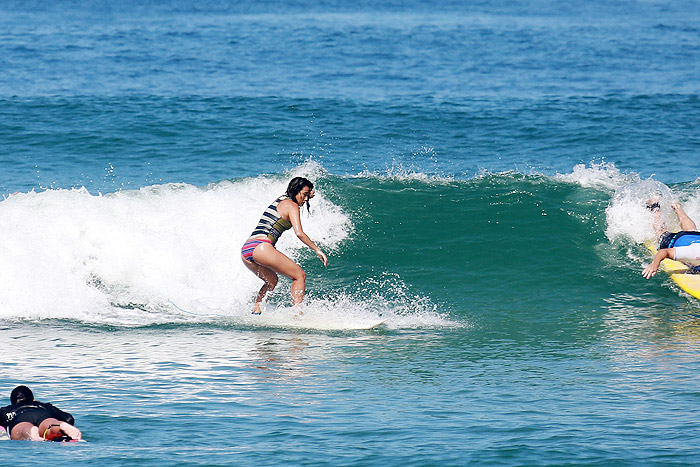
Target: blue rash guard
{"x":686,"y":247}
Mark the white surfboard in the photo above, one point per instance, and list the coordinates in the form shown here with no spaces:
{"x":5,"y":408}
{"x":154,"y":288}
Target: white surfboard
{"x":316,"y":323}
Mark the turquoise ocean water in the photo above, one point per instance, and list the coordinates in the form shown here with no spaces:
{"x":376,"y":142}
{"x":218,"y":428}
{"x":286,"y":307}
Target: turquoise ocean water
{"x":482,"y":170}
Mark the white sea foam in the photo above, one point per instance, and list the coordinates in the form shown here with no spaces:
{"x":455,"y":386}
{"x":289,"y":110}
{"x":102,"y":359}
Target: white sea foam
{"x":340,"y":311}
{"x":398,"y":171}
{"x":601,"y":175}
{"x":71,"y":254}
{"x":628,"y":217}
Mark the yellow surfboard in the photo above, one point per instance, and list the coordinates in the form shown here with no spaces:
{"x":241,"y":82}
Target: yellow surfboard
{"x":678,"y":272}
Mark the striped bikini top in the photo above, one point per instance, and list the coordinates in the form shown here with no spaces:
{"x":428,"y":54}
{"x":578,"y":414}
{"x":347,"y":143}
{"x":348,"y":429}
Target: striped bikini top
{"x":271,"y":225}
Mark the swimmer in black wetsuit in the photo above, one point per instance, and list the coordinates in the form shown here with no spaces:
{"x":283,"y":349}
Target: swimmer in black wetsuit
{"x":26,"y":418}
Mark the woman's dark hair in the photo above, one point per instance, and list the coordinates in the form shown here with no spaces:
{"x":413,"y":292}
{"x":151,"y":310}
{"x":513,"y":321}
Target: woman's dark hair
{"x":296,"y":185}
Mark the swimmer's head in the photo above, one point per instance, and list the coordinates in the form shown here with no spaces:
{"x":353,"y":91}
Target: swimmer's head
{"x":296,"y":185}
{"x":21,"y":394}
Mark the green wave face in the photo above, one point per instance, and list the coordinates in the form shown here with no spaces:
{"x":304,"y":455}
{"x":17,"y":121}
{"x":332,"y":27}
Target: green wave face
{"x":517,"y":254}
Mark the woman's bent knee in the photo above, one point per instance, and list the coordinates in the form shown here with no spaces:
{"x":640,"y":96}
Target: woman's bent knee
{"x":300,"y":275}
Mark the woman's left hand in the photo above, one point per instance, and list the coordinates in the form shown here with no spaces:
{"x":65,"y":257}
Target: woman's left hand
{"x":322,"y":256}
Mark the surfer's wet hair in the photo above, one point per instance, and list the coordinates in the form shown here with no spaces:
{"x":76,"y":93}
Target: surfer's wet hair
{"x":296,"y":185}
{"x":21,"y":394}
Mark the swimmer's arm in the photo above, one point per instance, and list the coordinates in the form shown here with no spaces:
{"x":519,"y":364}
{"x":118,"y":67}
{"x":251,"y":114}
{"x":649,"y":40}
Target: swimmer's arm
{"x":651,"y":270}
{"x":61,"y":415}
{"x":295,"y":219}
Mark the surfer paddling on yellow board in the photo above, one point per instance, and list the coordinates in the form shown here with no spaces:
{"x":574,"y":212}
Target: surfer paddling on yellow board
{"x":683,"y":246}
{"x":259,"y":253}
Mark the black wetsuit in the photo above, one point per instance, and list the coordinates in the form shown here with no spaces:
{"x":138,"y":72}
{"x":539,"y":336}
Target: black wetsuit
{"x":33,"y":412}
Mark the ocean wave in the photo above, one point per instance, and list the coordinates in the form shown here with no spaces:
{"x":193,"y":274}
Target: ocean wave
{"x":399,"y":242}
{"x":170,"y":254}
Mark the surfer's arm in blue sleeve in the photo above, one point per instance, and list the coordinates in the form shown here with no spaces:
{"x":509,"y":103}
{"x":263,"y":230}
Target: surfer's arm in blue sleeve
{"x":651,"y":270}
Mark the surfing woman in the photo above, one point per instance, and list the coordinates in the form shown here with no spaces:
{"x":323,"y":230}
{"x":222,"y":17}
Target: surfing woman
{"x":259,"y":253}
